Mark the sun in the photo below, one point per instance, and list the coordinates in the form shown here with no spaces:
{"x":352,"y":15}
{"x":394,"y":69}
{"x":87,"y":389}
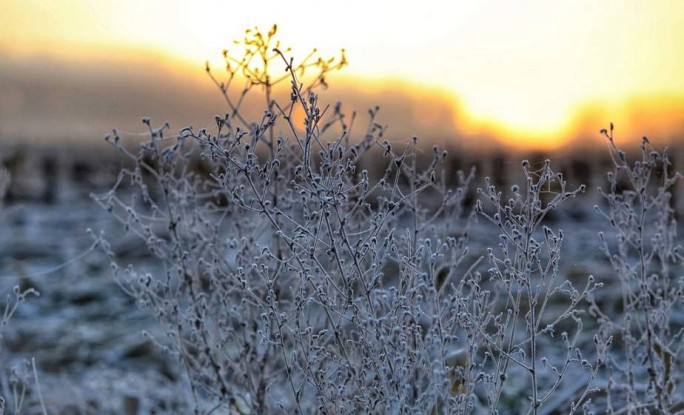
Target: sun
{"x":526,"y":68}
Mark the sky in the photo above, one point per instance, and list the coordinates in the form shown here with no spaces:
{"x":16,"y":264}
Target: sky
{"x":530,"y":72}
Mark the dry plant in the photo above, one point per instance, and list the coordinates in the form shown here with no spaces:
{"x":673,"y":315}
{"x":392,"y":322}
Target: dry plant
{"x":645,"y":370}
{"x":292,"y":280}
{"x":19,"y":391}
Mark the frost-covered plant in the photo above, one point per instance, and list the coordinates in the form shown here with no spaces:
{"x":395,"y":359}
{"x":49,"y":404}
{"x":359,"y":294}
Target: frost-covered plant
{"x":645,"y":369}
{"x":528,"y":321}
{"x":291,"y":279}
{"x":15,"y":388}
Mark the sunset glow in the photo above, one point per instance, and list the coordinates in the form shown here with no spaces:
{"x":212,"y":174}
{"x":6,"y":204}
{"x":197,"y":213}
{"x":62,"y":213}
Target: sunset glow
{"x":522,"y":70}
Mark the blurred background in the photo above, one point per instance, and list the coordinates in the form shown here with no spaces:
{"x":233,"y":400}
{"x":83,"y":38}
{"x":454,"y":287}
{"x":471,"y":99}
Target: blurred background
{"x":529,"y":75}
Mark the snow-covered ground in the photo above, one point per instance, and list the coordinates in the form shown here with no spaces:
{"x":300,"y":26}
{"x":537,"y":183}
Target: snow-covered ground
{"x":87,"y":335}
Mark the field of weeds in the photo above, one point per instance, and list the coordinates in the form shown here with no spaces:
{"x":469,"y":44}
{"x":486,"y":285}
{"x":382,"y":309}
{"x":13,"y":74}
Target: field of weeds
{"x":274,"y":266}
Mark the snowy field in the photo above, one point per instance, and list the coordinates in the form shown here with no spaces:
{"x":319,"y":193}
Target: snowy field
{"x":89,"y":338}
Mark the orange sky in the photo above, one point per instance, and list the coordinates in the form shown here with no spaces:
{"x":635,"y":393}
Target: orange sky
{"x":525,"y":70}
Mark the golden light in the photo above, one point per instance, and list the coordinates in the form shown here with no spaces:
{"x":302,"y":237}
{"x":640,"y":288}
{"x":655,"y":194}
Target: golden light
{"x":517,"y":69}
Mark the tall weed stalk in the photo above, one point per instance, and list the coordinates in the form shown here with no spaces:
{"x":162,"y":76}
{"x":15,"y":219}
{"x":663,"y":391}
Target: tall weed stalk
{"x":16,"y":389}
{"x":646,"y":318}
